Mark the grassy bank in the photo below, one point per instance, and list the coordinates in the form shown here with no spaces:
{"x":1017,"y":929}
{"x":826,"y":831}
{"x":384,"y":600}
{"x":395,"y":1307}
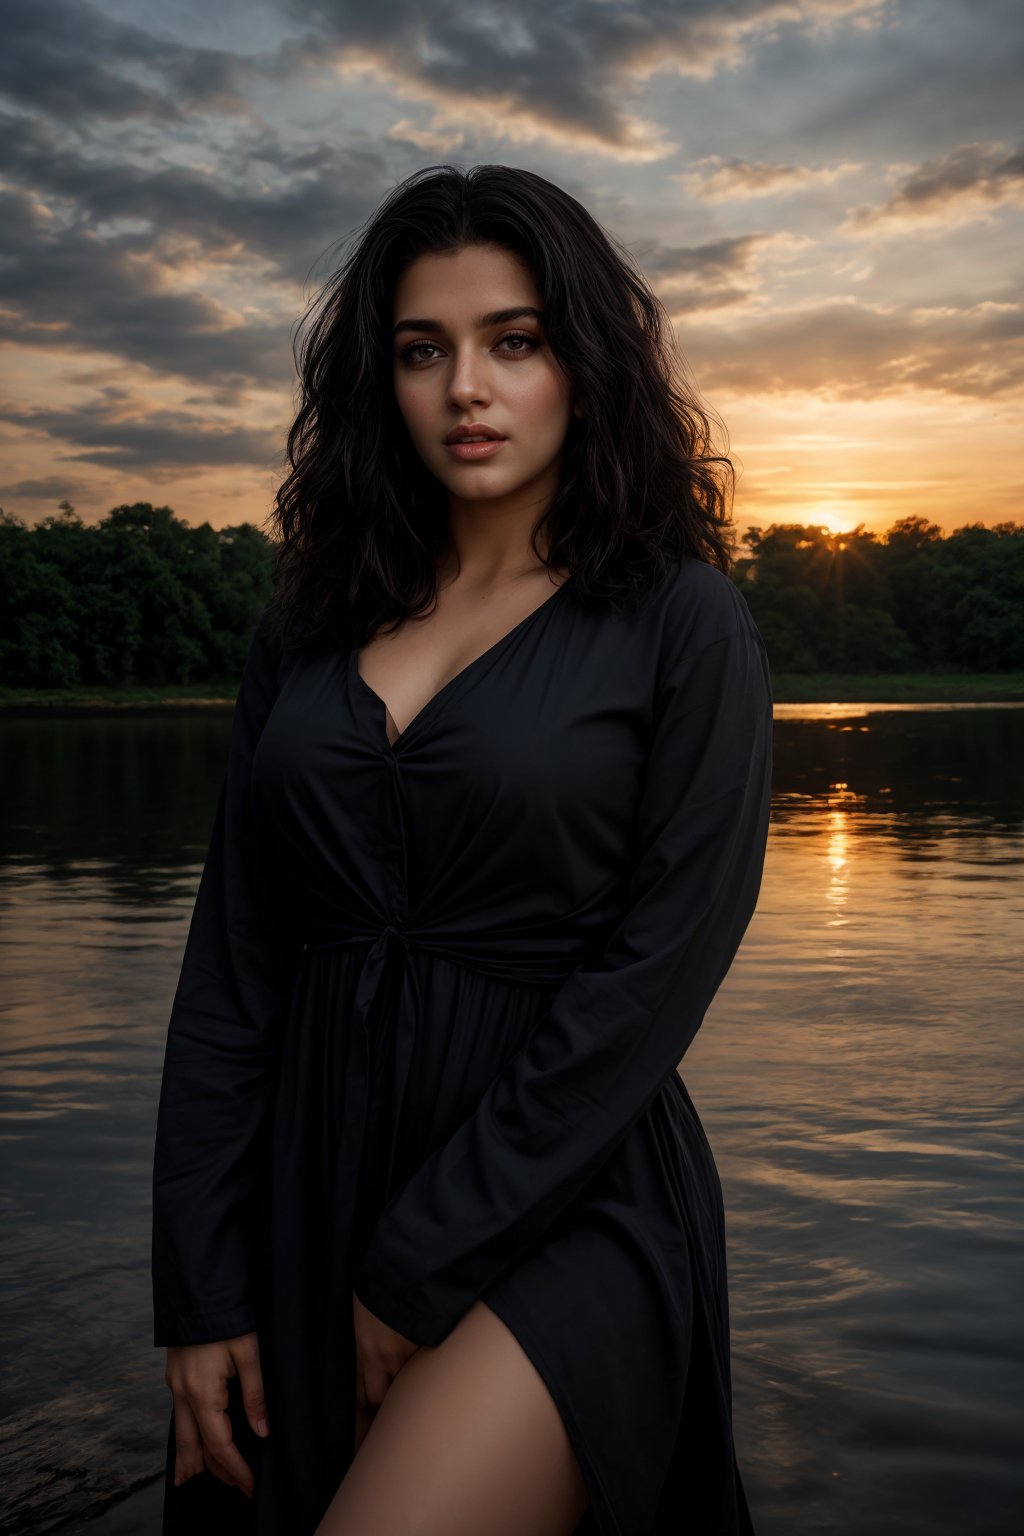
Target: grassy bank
{"x":789,"y":688}
{"x":214,"y":696}
{"x":898,"y":687}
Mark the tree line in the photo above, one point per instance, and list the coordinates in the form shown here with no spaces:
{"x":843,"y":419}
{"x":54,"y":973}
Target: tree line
{"x":140,"y":597}
{"x":911,"y":599}
{"x":143,"y":597}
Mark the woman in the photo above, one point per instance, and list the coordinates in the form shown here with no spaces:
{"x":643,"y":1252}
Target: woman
{"x":438,"y":1239}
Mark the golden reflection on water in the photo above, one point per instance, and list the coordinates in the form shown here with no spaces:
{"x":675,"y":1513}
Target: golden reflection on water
{"x":839,"y":710}
{"x":838,"y":835}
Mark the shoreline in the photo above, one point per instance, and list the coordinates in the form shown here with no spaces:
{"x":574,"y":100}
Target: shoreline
{"x":788,"y":688}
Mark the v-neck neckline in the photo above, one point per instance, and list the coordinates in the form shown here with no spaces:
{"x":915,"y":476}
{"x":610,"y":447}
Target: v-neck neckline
{"x":446,"y":687}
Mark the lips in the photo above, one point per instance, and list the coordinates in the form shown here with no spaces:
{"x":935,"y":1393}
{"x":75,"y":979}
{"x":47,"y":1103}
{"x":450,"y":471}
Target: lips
{"x":469,"y":451}
{"x":479,"y":431}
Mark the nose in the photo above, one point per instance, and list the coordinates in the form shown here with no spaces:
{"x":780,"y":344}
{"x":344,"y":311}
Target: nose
{"x":468,"y":384}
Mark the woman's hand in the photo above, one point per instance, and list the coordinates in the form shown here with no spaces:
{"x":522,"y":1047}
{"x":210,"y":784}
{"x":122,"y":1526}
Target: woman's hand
{"x":380,"y":1355}
{"x":197,"y":1375}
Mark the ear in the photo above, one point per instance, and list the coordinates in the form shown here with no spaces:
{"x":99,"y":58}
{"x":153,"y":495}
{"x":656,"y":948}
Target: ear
{"x":579,"y":409}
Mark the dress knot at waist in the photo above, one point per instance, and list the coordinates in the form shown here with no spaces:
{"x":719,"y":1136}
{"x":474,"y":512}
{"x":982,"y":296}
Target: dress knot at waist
{"x":531,"y":960}
{"x":387,"y":1005}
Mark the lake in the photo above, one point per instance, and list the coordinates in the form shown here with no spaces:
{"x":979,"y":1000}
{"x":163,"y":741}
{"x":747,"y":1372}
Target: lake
{"x":859,"y":1076}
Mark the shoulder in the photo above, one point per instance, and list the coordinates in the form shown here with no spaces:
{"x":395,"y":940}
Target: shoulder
{"x":264,"y":648}
{"x":695,"y":605}
{"x":706,"y":645}
{"x":266,"y":652}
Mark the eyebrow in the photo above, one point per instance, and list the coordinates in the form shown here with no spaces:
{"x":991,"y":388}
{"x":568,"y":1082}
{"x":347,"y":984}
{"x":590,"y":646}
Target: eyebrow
{"x":496,"y":317}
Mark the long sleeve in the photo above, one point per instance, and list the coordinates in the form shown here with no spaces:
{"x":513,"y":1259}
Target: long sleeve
{"x":219,"y":1063}
{"x":617,"y":1028}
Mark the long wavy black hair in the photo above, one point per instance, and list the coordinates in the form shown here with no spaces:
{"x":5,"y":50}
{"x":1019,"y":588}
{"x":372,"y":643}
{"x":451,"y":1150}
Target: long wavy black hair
{"x":360,"y":521}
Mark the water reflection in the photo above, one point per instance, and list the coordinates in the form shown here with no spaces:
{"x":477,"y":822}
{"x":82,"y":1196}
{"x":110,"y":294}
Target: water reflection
{"x":858,"y":1076}
{"x":860,"y":1083}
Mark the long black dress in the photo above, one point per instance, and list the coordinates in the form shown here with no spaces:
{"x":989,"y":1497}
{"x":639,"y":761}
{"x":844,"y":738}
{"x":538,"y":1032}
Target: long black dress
{"x":425,"y":1038}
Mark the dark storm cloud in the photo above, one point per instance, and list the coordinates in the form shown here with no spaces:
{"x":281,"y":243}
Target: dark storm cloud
{"x":48,"y":490}
{"x":710,"y":261}
{"x":104,"y":433}
{"x":709,"y":276}
{"x":575,"y":67}
{"x":69,"y":59}
{"x":68,"y":289}
{"x":972,"y":177}
{"x":307,"y":198}
{"x":65,"y":284}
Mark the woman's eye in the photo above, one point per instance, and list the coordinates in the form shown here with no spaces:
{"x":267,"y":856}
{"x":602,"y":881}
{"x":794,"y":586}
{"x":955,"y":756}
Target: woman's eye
{"x":523,"y":345}
{"x":531,"y":342}
{"x":408,"y":352}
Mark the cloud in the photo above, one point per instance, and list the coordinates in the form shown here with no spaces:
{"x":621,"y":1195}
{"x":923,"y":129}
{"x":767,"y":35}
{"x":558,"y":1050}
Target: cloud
{"x":118,"y":431}
{"x":434,"y":139}
{"x":106,"y":256}
{"x":73,"y":61}
{"x":960,"y":187}
{"x":717,"y":274}
{"x":571,"y":72}
{"x":172,"y":177}
{"x":269,"y":200}
{"x":715,"y":179}
{"x":850,"y":350}
{"x":48,"y":489}
{"x":65,"y":288}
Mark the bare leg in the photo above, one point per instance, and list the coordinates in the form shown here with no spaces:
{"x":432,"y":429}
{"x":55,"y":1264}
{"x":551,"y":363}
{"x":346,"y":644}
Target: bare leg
{"x":467,"y":1442}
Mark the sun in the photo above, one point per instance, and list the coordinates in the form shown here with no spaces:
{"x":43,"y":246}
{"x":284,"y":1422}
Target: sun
{"x":834,"y":522}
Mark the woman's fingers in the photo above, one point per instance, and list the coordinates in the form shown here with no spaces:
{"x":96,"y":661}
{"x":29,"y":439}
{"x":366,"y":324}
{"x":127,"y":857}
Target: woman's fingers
{"x":364,"y":1409}
{"x":377,"y":1380}
{"x":198,"y":1378}
{"x":188,"y":1446}
{"x":246,"y":1354}
{"x":369,"y":1399}
{"x":381,"y":1353}
{"x":223,"y":1457}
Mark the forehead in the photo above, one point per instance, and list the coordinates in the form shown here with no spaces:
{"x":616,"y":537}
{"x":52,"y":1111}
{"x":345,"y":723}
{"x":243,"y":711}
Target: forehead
{"x":459,"y":284}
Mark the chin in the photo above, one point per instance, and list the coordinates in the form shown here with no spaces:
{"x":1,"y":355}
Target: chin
{"x":480,"y":485}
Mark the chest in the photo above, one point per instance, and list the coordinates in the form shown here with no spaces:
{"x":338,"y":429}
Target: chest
{"x":406,"y":668}
{"x":530,"y":760}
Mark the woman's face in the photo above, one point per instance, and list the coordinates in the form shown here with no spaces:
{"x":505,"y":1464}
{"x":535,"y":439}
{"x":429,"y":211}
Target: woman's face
{"x":466,"y":357}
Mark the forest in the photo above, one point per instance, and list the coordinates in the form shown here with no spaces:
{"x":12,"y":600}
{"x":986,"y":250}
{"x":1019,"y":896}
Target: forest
{"x":144,"y":597}
{"x":911,"y":599}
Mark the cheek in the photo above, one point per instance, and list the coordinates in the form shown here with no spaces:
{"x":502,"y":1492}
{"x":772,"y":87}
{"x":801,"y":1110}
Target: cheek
{"x":416,"y":408}
{"x":545,"y":400}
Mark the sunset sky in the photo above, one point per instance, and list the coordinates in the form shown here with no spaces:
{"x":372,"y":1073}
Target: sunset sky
{"x":826,"y":194}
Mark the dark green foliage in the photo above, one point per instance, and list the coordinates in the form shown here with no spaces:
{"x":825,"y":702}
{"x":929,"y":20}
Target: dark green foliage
{"x":908,"y":600}
{"x":140,"y":597}
{"x":143,"y":597}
